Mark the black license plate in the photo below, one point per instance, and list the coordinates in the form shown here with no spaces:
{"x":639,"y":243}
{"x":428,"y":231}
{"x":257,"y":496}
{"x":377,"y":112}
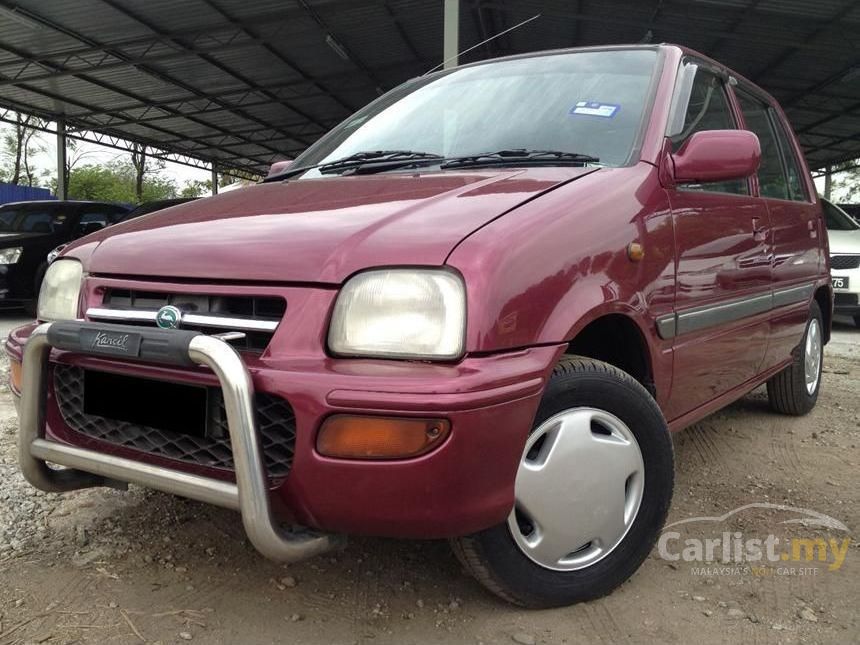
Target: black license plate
{"x":840,"y":282}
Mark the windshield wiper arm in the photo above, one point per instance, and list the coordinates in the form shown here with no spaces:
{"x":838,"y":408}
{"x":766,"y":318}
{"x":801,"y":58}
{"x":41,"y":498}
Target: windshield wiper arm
{"x":377,"y":161}
{"x":398,"y":158}
{"x":519,"y":157}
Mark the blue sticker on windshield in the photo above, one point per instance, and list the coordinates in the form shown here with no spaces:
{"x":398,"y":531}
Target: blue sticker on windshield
{"x":595,"y":108}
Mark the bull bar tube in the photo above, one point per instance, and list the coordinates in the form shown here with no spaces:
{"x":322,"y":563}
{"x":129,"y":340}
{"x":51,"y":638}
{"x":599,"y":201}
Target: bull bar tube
{"x":87,"y":468}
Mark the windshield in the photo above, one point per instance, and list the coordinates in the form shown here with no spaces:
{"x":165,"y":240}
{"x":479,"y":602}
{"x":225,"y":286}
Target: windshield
{"x":590,"y":103}
{"x":31,"y":219}
{"x":837,"y":219}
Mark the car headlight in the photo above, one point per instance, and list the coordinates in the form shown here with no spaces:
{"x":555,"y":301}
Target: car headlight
{"x":61,"y":290}
{"x":52,"y":255}
{"x":400,"y":313}
{"x":10,"y":255}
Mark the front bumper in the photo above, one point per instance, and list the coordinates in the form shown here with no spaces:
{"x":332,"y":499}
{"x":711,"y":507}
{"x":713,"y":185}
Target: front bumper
{"x":847,"y":301}
{"x":463,"y":486}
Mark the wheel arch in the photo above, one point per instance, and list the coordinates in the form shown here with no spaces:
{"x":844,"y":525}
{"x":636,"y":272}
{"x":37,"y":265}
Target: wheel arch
{"x":617,"y":338}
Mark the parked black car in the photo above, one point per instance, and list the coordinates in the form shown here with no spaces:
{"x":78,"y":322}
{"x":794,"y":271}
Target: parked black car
{"x":143,"y":209}
{"x":29,"y":230}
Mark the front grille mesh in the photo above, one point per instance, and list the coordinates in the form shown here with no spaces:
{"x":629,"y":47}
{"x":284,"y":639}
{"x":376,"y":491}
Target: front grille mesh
{"x":843,"y":262}
{"x":275,"y":423}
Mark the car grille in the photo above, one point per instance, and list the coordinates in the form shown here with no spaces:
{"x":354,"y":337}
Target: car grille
{"x":843,"y":262}
{"x":256,"y":317}
{"x":275,"y":423}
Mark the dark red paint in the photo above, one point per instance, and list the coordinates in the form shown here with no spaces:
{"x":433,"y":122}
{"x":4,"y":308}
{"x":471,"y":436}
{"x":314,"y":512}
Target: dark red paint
{"x":543,"y":254}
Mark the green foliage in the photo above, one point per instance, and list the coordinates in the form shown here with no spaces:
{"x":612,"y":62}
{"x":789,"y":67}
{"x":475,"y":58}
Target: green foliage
{"x":196,"y":188}
{"x":115,"y":182}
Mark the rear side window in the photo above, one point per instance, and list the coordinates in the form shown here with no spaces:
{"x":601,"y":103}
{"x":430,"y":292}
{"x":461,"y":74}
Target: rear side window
{"x":771,"y":176}
{"x":708,"y":108}
{"x":796,"y":187}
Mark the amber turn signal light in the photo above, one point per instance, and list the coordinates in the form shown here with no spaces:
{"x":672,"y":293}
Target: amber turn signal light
{"x":15,"y":376}
{"x":367,"y":437}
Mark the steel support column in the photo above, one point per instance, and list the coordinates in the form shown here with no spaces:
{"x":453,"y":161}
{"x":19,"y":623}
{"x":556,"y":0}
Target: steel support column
{"x":214,"y":179}
{"x":62,"y":188}
{"x":451,"y":34}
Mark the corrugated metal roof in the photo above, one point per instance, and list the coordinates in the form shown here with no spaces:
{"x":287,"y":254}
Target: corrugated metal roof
{"x":244,"y":82}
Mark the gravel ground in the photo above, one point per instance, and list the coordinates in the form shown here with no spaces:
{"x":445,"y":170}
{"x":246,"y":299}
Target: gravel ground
{"x":102,"y":566}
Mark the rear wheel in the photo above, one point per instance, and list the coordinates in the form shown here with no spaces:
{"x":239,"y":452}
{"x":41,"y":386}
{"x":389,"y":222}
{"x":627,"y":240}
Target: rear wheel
{"x":795,"y":389}
{"x":857,"y":320}
{"x":591,"y":494}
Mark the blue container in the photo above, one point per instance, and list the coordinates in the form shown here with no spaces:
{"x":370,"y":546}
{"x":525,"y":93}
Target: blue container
{"x":12,"y":193}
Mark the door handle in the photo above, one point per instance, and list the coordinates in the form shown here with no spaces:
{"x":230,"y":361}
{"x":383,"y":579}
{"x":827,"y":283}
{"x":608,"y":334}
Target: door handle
{"x":759,"y":233}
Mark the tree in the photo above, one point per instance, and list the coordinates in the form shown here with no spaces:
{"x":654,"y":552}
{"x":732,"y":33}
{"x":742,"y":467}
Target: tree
{"x":196,"y":188}
{"x":18,"y":147}
{"x":143,"y":165}
{"x":116,"y":181}
{"x":845,"y":183}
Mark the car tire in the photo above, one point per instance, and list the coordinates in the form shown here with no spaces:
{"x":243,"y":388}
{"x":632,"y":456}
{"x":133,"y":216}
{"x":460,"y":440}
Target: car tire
{"x":795,"y":389}
{"x":857,"y":320}
{"x":504,"y":559}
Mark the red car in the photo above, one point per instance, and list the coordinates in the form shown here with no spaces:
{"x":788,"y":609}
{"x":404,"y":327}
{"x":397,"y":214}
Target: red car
{"x":474,"y":310}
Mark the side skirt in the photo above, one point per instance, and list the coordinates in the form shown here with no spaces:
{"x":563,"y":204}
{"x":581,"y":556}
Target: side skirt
{"x":723,"y":400}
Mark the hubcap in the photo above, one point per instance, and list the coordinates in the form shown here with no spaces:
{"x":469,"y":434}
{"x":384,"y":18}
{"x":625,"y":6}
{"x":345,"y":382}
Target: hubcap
{"x":578,"y":489}
{"x":812,"y":356}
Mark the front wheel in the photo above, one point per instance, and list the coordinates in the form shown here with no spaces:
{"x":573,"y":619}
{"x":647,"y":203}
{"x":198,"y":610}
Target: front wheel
{"x":592,"y":492}
{"x":795,"y":389}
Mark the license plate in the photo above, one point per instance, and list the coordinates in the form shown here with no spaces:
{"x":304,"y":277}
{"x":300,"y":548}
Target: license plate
{"x":840,"y":282}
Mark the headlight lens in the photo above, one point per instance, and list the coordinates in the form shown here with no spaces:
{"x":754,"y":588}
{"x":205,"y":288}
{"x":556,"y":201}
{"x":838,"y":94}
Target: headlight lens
{"x":10,"y":255}
{"x":400,"y":313}
{"x":61,"y":290}
{"x":53,"y":254}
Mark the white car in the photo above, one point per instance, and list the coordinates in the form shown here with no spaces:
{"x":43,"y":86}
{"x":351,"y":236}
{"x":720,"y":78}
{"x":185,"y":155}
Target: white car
{"x":844,"y":235}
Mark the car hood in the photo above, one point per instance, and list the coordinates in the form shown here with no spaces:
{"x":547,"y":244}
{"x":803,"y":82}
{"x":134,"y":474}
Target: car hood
{"x":316,"y":230}
{"x":844,"y":241}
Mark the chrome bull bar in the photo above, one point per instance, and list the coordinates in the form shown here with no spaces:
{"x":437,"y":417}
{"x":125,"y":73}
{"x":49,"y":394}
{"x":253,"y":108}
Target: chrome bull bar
{"x":87,"y":468}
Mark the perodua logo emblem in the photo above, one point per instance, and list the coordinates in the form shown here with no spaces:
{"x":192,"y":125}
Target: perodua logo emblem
{"x":168,"y":317}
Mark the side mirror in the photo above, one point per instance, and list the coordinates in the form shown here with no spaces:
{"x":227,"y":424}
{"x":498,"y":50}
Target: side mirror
{"x":279,"y":166}
{"x":717,"y":155}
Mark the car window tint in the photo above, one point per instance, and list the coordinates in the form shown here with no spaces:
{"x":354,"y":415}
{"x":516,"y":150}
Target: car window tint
{"x":796,"y":187}
{"x":836,"y":219}
{"x":94,"y":217}
{"x":708,"y":109}
{"x":771,"y":178}
{"x":31,"y":220}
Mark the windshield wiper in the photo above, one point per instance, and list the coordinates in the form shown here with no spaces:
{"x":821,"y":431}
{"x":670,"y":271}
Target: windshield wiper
{"x":520,"y":156}
{"x":364,"y":162}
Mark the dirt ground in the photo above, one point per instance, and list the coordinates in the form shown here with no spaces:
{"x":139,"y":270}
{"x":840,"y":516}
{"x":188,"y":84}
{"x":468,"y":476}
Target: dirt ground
{"x":103,"y":566}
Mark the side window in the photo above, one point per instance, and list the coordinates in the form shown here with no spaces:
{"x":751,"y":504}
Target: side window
{"x":708,"y":108}
{"x":94,"y":217}
{"x":771,"y":178}
{"x":796,"y":187}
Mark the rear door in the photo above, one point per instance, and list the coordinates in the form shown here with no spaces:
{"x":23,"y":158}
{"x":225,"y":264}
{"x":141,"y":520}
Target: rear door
{"x":795,"y":224}
{"x":722,"y":232}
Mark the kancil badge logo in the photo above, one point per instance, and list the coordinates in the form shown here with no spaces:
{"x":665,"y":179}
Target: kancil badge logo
{"x":731,"y":552}
{"x":169,"y":317}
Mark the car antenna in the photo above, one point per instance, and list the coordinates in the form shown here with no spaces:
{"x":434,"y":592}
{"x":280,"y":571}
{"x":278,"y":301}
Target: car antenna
{"x":483,"y":42}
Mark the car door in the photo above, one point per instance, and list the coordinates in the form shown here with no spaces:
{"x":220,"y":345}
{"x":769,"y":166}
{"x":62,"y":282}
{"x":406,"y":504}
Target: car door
{"x":795,"y":224}
{"x":722,"y":294}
